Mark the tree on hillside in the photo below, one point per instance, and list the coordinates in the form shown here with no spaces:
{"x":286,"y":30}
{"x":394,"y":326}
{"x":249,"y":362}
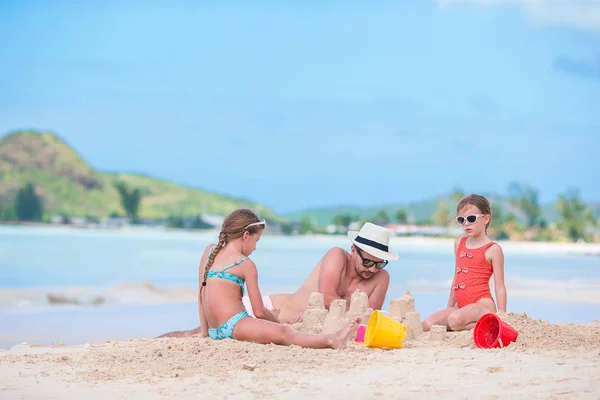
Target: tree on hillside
{"x":525,"y":198}
{"x":130,"y":200}
{"x":574,"y":214}
{"x":402,"y":216}
{"x":442,"y":216}
{"x":381,"y":218}
{"x":307,"y":225}
{"x":174,"y":221}
{"x":199,"y":223}
{"x":7,"y":213}
{"x":457,"y":196}
{"x":287,"y":228}
{"x":29,"y":206}
{"x":343,"y":220}
{"x":500,"y":217}
{"x":501,"y":223}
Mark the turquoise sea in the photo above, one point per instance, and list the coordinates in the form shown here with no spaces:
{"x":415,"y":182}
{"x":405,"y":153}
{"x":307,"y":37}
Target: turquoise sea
{"x":147,"y":280}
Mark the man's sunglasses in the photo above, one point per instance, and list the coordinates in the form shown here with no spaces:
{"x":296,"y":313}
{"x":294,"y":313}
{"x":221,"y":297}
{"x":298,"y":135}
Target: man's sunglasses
{"x":469,"y":218}
{"x":369,"y":263}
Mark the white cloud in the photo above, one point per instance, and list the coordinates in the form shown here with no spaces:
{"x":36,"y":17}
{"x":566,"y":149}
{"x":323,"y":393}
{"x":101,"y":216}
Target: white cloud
{"x":582,"y":14}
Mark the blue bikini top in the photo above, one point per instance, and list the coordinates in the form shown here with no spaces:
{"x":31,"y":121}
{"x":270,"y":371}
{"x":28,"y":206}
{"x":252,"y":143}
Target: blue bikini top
{"x":226,"y":275}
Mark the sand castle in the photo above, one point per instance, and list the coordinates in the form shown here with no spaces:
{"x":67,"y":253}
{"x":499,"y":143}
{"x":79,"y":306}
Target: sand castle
{"x":437,"y":332}
{"x":336,"y":318}
{"x":359,"y":306}
{"x":403,"y":311}
{"x":314,"y":315}
{"x":318,"y":320}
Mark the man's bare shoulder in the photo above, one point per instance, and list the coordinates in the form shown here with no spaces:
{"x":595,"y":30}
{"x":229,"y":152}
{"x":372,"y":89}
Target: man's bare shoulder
{"x":382,"y":276}
{"x":337,"y":252}
{"x":380,"y":280}
{"x":334,"y":258}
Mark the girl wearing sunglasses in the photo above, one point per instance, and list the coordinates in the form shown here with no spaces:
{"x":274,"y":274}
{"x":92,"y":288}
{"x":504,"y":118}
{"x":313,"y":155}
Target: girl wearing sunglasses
{"x":477,"y":259}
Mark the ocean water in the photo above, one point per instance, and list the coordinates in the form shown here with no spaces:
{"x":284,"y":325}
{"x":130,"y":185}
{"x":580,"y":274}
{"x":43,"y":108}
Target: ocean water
{"x":147,"y":280}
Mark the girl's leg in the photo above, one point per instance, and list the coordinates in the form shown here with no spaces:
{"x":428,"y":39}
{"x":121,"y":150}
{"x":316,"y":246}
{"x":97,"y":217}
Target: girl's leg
{"x":265,"y":332}
{"x":465,"y":318}
{"x":438,"y":318}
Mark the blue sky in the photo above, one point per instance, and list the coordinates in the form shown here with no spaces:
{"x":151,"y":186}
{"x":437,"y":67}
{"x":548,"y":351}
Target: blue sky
{"x":315,"y":103}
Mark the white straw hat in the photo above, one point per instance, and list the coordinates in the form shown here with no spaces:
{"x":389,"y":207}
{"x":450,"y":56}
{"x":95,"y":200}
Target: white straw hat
{"x":375,"y":240}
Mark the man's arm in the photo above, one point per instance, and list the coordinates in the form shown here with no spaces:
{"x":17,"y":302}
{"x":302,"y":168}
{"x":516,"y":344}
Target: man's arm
{"x":332,"y":267}
{"x":377,"y":296}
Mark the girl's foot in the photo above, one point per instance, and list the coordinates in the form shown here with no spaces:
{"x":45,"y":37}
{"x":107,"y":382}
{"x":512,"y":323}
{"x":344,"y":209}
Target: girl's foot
{"x":339,"y":339}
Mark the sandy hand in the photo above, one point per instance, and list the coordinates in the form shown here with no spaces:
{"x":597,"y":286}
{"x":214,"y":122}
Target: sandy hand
{"x":297,"y":318}
{"x":341,"y":337}
{"x":276,"y":312}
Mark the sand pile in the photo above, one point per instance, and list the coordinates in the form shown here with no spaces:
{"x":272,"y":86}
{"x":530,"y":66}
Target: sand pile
{"x":538,"y":334}
{"x":462,"y":339}
{"x":533,"y":334}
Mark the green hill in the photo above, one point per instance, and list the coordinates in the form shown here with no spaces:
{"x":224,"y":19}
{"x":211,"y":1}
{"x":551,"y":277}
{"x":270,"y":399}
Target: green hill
{"x":69,"y":185}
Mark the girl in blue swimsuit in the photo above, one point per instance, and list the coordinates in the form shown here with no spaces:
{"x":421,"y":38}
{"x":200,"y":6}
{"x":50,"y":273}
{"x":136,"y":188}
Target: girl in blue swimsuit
{"x":224,"y":269}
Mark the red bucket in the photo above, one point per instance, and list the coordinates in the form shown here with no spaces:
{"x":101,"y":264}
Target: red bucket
{"x":491,"y":332}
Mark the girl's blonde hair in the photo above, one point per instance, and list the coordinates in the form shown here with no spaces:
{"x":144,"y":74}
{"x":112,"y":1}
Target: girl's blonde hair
{"x":234,"y":226}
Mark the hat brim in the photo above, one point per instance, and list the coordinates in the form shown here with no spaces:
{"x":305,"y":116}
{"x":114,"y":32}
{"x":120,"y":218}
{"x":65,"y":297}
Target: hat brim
{"x":390,"y":255}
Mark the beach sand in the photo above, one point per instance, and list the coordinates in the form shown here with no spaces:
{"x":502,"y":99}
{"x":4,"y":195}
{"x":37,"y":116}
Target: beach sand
{"x":547,"y":361}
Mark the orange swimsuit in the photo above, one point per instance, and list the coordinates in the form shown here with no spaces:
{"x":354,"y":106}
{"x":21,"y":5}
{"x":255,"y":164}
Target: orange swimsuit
{"x":473,"y":273}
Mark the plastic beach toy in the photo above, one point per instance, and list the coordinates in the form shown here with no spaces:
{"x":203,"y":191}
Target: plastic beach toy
{"x":360,"y":334}
{"x":491,"y":332}
{"x":383,"y":331}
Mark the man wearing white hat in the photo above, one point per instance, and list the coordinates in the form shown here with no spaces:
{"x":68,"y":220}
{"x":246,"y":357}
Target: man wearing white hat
{"x":340,"y":273}
{"x":337,"y":275}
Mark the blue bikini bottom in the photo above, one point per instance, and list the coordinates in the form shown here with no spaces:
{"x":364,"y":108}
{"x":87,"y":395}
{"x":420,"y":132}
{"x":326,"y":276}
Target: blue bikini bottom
{"x":225,"y":331}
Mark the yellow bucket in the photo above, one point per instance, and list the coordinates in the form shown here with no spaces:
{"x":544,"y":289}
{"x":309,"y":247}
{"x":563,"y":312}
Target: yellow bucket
{"x":383,"y":331}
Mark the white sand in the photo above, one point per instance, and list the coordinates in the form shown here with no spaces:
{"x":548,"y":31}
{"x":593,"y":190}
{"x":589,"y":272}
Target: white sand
{"x":547,"y":361}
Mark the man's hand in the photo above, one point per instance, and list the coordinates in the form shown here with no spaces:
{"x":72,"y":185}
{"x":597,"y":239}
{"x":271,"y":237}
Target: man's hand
{"x":276,"y":312}
{"x":297,"y":318}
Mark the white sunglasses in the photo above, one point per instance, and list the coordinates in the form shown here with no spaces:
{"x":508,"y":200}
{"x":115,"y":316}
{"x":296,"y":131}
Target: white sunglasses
{"x":469,"y":218}
{"x":263,"y":222}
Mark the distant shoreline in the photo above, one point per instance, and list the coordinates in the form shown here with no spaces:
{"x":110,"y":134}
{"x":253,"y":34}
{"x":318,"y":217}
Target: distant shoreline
{"x":581,"y":248}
